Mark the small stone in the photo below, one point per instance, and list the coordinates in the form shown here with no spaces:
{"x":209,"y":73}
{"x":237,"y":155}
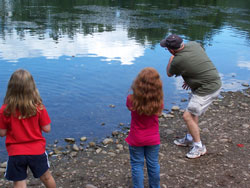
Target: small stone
{"x":4,"y":164}
{"x":107,"y":141}
{"x":83,"y":139}
{"x":90,"y":186}
{"x":121,"y":124}
{"x":73,"y":154}
{"x":112,"y":154}
{"x":57,"y":151}
{"x":102,"y":123}
{"x":75,"y":147}
{"x":98,"y":150}
{"x":245,"y":84}
{"x":246,"y":126}
{"x":2,"y":170}
{"x":169,"y":131}
{"x":69,"y":140}
{"x":112,"y":106}
{"x":115,"y":133}
{"x":56,"y":142}
{"x":205,"y":130}
{"x":92,"y":144}
{"x":119,"y":146}
{"x":175,"y":108}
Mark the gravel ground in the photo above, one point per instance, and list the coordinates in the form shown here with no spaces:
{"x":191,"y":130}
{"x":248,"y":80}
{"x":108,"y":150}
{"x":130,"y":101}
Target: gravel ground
{"x":225,"y":129}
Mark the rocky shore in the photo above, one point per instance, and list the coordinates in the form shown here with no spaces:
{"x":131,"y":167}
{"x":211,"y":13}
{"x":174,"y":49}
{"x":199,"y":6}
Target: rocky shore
{"x":225,"y":130}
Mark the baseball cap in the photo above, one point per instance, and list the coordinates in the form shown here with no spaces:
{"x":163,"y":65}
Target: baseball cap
{"x":172,"y":41}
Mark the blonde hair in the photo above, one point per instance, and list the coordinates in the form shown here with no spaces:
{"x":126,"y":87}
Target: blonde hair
{"x":147,"y":97}
{"x":22,"y":95}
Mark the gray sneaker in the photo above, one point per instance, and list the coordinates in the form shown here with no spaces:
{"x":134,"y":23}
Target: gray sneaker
{"x":183,"y":142}
{"x":196,"y":152}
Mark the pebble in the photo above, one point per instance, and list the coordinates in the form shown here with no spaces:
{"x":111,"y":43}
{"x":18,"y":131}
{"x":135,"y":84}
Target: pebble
{"x":245,"y":84}
{"x":2,"y":170}
{"x":92,"y":144}
{"x":4,"y":164}
{"x":107,"y":141}
{"x":75,"y":147}
{"x":69,"y":139}
{"x":169,"y":131}
{"x":246,"y":126}
{"x":175,"y":108}
{"x":90,"y":186}
{"x":98,"y":150}
{"x":119,"y":146}
{"x":83,"y":139}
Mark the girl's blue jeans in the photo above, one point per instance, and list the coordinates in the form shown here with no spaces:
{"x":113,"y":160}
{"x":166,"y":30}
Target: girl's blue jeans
{"x":151,"y":154}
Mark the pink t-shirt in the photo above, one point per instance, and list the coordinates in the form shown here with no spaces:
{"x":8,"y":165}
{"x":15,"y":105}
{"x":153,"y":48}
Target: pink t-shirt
{"x":24,"y":136}
{"x":144,"y":130}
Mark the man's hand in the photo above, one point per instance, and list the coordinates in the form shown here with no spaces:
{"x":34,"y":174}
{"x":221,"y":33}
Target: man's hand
{"x":185,"y":86}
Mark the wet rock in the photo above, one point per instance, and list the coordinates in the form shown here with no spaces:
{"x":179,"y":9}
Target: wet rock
{"x":115,"y":133}
{"x":112,"y":106}
{"x":245,"y":84}
{"x":3,"y":165}
{"x":75,"y":147}
{"x":107,"y":141}
{"x":83,"y":139}
{"x":175,"y":108}
{"x":71,"y":140}
{"x":2,"y":170}
{"x":92,"y":144}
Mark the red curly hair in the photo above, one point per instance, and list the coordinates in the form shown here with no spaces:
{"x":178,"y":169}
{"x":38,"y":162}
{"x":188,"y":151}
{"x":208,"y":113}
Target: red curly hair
{"x":147,"y":97}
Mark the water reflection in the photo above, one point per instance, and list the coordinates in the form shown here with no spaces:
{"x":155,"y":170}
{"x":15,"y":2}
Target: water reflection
{"x":114,"y":45}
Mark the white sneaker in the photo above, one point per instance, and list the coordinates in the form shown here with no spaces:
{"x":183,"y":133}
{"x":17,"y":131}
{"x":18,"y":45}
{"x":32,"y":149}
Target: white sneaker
{"x":183,"y":142}
{"x":196,"y":152}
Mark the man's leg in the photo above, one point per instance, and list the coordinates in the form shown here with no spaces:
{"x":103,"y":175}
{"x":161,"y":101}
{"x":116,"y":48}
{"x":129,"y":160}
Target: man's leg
{"x":192,"y":125}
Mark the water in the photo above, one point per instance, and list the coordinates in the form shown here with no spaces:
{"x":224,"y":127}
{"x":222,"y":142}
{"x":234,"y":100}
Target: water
{"x":84,"y":55}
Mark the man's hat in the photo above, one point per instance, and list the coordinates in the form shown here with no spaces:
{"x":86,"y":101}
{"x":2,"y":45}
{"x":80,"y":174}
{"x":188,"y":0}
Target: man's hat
{"x":172,"y":41}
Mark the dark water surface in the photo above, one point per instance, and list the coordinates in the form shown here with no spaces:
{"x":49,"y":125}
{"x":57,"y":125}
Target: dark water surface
{"x":85,"y":54}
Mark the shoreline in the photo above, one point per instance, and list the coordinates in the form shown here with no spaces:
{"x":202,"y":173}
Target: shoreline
{"x":225,"y":129}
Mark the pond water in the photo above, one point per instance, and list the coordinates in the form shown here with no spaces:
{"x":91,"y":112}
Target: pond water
{"x":85,"y":54}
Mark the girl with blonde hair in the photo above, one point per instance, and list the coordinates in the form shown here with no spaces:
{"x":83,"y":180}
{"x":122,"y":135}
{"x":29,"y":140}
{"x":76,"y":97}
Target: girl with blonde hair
{"x":23,"y":117}
{"x":145,"y":104}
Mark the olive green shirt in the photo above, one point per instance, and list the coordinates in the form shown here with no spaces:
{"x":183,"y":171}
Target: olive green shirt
{"x":197,"y":70}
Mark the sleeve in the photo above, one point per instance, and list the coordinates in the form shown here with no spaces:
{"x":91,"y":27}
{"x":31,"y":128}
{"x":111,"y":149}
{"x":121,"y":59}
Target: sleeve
{"x":2,"y":123}
{"x":174,"y":70}
{"x":44,"y":118}
{"x":128,"y":102}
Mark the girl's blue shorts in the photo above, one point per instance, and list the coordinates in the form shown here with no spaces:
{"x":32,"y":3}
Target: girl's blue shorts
{"x":17,"y":166}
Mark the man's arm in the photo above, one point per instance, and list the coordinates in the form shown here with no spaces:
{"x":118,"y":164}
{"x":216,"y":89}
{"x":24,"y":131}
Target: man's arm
{"x":3,"y":132}
{"x":169,"y":64}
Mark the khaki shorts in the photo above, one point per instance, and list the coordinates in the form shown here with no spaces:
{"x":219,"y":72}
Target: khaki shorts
{"x":199,"y":104}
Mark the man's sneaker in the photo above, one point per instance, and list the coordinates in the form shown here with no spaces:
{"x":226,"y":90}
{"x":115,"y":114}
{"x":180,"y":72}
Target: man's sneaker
{"x":183,"y":142}
{"x":196,"y":152}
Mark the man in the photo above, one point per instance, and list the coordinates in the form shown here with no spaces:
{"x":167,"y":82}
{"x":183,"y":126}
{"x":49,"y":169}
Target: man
{"x":200,"y":75}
